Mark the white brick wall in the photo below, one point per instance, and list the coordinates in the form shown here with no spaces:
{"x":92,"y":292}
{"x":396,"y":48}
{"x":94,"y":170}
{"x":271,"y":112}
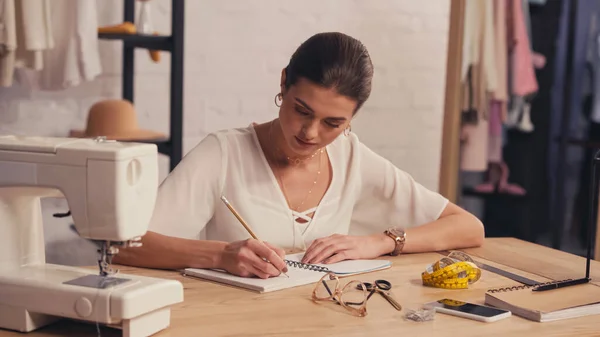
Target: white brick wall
{"x":234,"y":53}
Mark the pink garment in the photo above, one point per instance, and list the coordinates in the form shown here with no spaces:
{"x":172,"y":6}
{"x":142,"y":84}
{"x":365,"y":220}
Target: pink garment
{"x":474,"y":147}
{"x":474,"y":156}
{"x":495,"y":136}
{"x":524,"y":81}
{"x":501,"y":92}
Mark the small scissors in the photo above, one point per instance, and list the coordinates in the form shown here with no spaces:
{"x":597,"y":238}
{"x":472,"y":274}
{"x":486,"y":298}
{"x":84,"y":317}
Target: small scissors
{"x":383,"y":287}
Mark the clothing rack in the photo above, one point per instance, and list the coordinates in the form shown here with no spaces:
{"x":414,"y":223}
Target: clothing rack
{"x":566,"y":140}
{"x":173,"y":146}
{"x":558,"y":204}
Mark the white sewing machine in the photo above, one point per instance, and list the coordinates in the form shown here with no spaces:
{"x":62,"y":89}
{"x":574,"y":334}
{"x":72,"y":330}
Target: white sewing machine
{"x":110,"y":188}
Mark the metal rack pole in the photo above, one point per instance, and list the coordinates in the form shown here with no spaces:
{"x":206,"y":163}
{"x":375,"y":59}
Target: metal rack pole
{"x":176,"y":90}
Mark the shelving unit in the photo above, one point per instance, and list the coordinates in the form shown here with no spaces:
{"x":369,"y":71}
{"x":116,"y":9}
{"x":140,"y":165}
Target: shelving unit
{"x":172,"y":147}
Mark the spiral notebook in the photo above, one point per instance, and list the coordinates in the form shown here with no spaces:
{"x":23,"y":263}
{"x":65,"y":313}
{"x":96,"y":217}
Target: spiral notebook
{"x":299,"y":273}
{"x":545,"y":306}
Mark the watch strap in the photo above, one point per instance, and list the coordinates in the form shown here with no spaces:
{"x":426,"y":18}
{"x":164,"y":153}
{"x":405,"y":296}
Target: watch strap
{"x":399,"y":237}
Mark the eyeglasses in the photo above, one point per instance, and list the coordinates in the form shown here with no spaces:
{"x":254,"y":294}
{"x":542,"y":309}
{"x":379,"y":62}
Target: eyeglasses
{"x":352,"y":296}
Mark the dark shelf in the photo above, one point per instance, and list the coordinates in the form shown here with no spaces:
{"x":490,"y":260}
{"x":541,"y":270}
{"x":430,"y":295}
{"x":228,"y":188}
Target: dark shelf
{"x":172,"y":147}
{"x":141,"y":41}
{"x":164,"y":147}
{"x":472,"y":193}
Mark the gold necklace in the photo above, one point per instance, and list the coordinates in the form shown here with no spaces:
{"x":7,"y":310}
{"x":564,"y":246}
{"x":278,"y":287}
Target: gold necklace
{"x":298,"y":161}
{"x":297,"y":209}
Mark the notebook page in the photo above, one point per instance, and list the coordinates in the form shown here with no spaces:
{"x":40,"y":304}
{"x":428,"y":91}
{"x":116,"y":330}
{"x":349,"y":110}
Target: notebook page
{"x":297,"y":277}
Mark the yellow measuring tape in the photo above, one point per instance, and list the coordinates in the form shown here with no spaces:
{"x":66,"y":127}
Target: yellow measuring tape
{"x":455,"y":271}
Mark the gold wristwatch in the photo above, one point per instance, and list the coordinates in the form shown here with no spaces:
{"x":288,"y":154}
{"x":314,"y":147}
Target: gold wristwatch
{"x":399,"y":237}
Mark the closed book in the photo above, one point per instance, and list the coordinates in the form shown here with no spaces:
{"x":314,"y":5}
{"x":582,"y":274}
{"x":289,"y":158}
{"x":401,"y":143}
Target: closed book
{"x":550,"y":305}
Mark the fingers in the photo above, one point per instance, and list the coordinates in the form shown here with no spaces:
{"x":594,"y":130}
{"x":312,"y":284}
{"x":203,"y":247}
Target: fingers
{"x":339,"y":256}
{"x":279,"y":251}
{"x":314,"y":249}
{"x":245,"y":269}
{"x":253,"y":258}
{"x":324,"y":248}
{"x":249,"y":264}
{"x":262,"y":268}
{"x":330,"y":250}
{"x":263,"y":251}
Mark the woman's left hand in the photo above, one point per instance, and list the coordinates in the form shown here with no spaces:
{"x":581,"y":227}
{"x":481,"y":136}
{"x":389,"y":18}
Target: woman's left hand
{"x":337,"y":247}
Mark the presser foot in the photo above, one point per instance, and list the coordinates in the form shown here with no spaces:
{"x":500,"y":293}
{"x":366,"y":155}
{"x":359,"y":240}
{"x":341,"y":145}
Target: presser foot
{"x":108,"y":249}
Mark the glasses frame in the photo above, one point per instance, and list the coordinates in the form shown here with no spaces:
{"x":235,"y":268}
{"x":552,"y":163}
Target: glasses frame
{"x":338,"y":292}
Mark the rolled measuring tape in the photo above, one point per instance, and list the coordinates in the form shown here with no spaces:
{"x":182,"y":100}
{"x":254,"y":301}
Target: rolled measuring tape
{"x":455,"y":271}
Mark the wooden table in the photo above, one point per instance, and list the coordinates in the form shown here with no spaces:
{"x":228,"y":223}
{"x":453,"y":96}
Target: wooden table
{"x":211,"y":309}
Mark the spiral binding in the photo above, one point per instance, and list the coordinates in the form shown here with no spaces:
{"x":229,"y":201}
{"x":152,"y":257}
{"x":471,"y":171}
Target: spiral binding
{"x":307,"y":266}
{"x":504,"y":289}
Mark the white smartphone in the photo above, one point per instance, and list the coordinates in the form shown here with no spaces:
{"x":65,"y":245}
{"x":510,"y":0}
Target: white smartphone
{"x":468,"y":310}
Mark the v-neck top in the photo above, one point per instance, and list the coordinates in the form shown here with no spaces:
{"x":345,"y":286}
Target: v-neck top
{"x":367,"y":194}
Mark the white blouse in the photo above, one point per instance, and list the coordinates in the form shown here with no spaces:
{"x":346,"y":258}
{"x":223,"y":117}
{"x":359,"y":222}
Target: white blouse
{"x":367,"y":194}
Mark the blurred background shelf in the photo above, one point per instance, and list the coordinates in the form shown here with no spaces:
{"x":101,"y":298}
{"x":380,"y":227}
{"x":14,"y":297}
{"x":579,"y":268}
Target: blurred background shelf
{"x":163,"y":43}
{"x":172,"y":147}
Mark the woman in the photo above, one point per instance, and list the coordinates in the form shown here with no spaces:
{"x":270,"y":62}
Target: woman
{"x":301,"y":181}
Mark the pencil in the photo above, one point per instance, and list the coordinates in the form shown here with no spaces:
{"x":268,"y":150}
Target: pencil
{"x":241,"y":220}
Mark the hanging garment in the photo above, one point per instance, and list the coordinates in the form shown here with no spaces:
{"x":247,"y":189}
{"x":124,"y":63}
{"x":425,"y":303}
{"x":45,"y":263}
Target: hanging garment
{"x":557,"y":102}
{"x":470,"y":46}
{"x":478,"y":30}
{"x":484,"y":82}
{"x":524,"y":81}
{"x":566,"y":109}
{"x":523,"y":85}
{"x":525,"y":124}
{"x":500,"y":95}
{"x":26,"y":34}
{"x":594,"y":86}
{"x":495,"y":132}
{"x":76,"y":58}
{"x":8,"y":41}
{"x":475,"y":135}
{"x":527,"y":20}
{"x":488,"y":55}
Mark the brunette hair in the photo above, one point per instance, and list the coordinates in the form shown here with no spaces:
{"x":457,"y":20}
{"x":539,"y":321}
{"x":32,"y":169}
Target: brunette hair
{"x":335,"y":61}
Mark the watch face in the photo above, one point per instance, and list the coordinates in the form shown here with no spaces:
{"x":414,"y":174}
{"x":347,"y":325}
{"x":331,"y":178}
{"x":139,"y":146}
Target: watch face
{"x":397,"y":232}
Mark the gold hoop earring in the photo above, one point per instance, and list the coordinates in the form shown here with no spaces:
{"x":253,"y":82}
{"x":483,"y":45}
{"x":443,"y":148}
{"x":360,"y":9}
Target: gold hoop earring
{"x":347,"y":130}
{"x":279,"y":97}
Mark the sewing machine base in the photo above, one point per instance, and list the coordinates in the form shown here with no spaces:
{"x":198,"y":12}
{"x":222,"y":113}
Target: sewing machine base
{"x":19,"y":319}
{"x":34,"y":296}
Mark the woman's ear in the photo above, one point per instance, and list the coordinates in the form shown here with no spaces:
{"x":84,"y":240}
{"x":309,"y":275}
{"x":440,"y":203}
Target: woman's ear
{"x":283,"y":79}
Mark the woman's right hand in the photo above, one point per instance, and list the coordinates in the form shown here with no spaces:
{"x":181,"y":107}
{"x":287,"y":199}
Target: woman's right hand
{"x":249,"y":258}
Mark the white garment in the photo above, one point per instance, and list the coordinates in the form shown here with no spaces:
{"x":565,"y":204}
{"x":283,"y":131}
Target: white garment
{"x":367,"y":194}
{"x":25,"y":34}
{"x":8,"y":41}
{"x":478,"y":29}
{"x":489,"y":51}
{"x":75,"y":57}
{"x":470,"y":43}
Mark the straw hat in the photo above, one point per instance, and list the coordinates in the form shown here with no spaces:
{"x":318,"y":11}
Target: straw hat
{"x":115,"y":119}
